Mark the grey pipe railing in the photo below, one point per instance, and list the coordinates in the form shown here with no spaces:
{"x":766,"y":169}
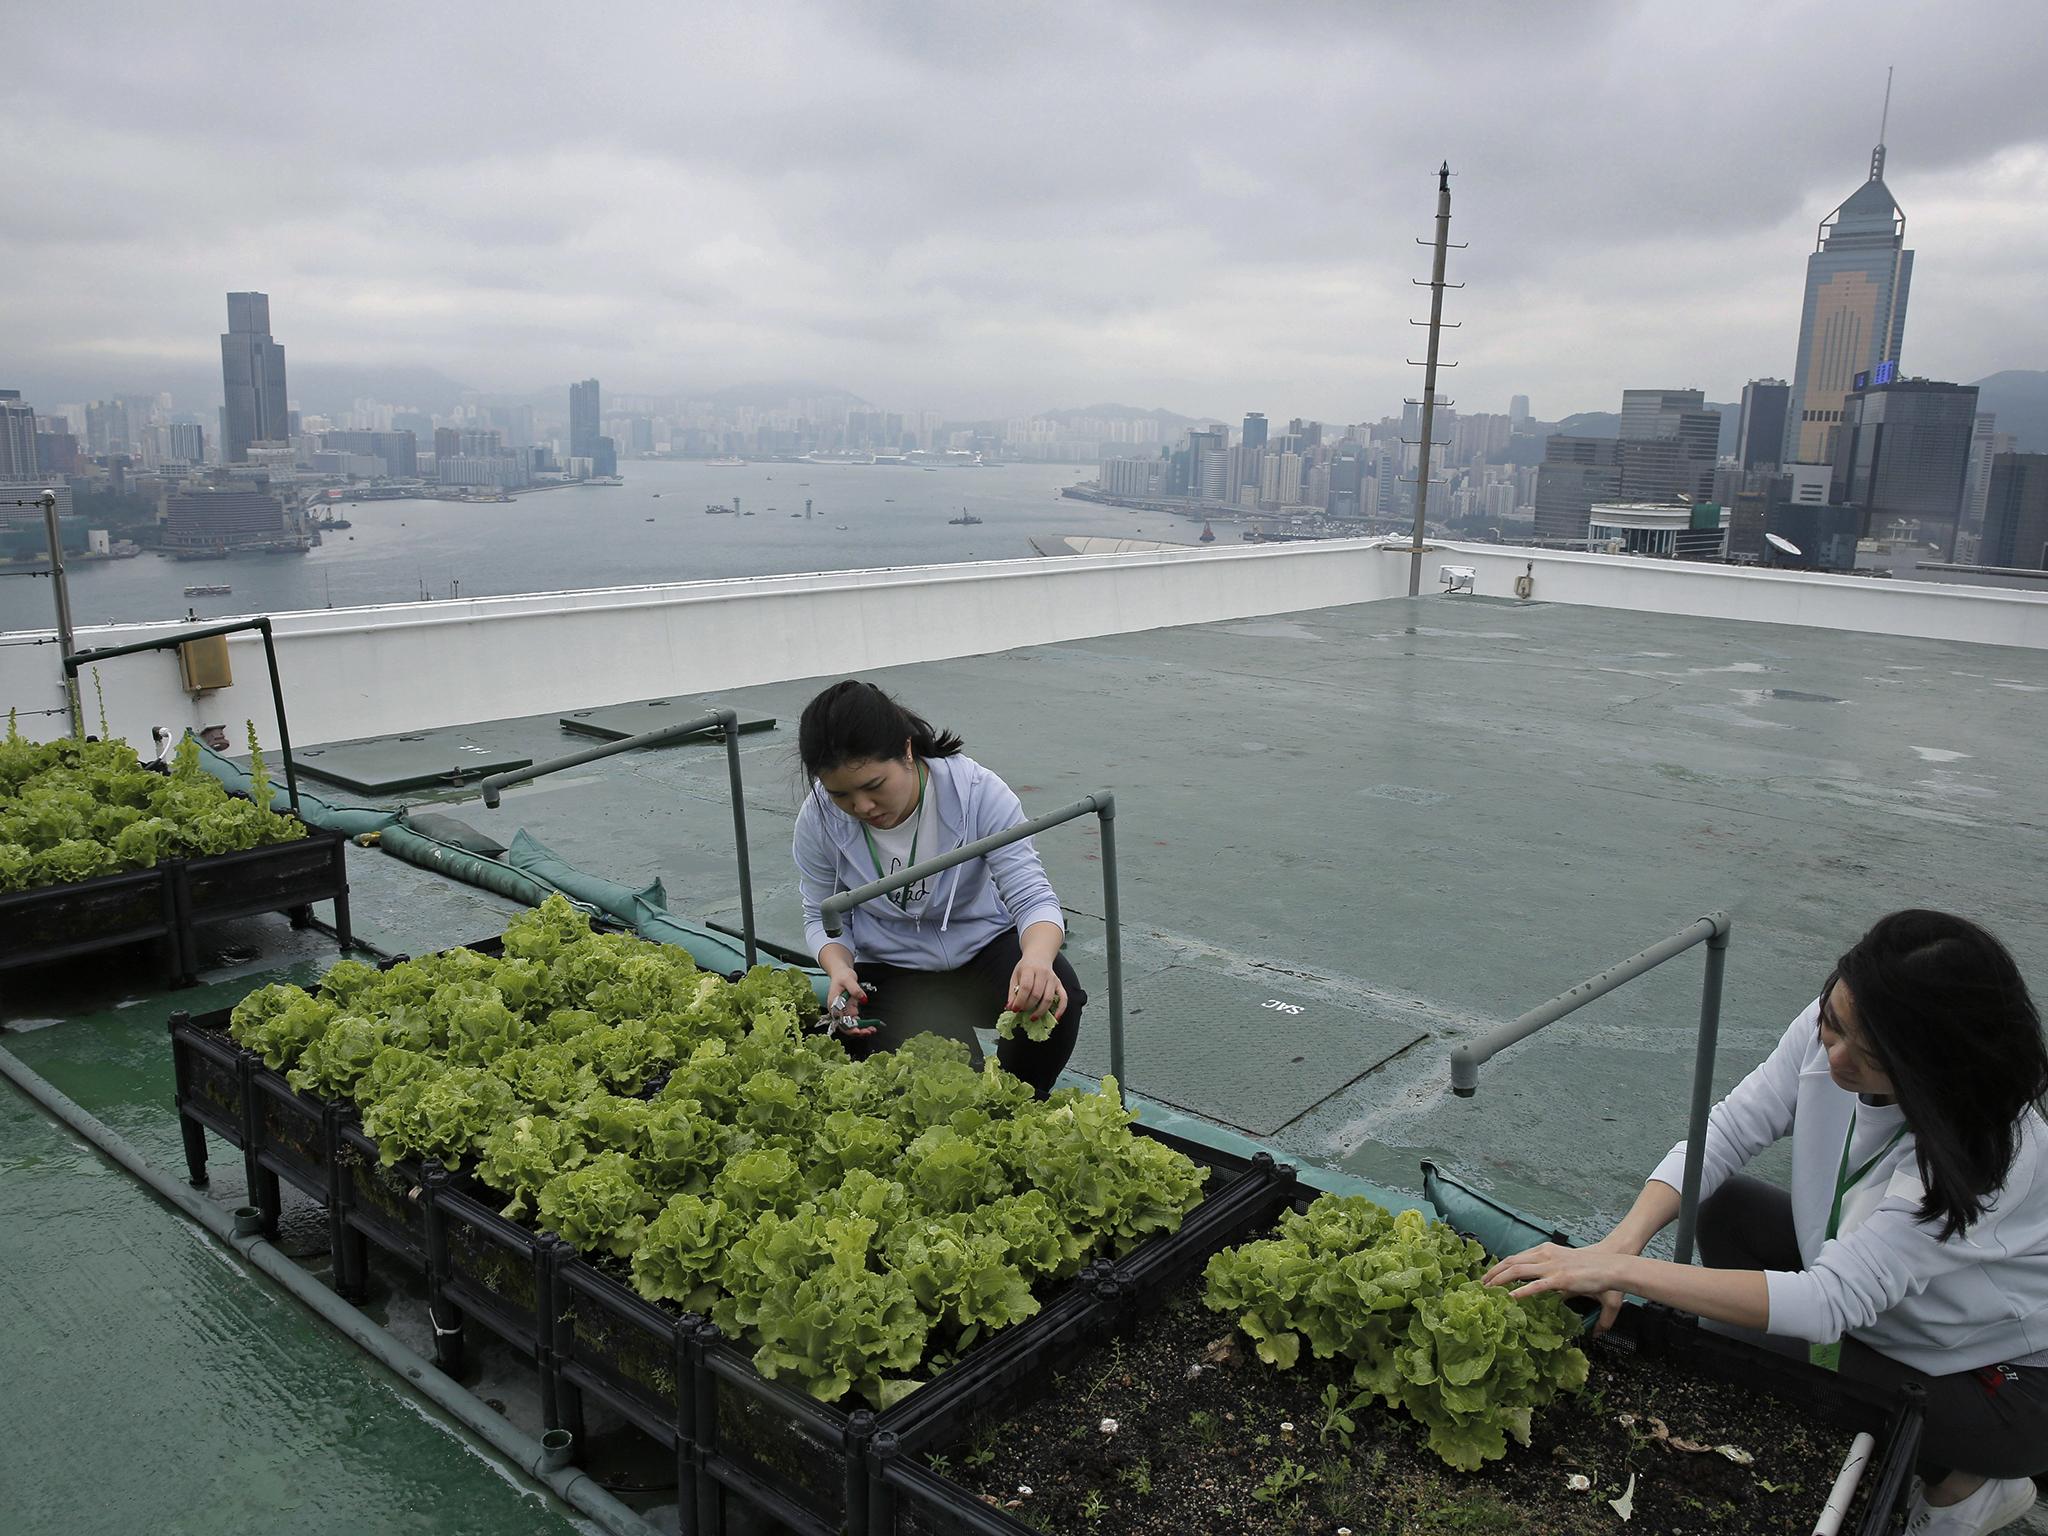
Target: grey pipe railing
{"x":206,"y":632}
{"x":718,"y":719}
{"x":1101,"y":806}
{"x":1712,"y":931}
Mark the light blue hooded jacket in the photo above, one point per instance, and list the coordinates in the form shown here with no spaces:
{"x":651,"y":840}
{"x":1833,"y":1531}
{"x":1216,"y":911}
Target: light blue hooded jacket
{"x":970,"y":904}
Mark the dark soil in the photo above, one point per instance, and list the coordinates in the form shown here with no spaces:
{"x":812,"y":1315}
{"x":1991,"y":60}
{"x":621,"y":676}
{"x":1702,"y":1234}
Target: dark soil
{"x":1202,"y":1444}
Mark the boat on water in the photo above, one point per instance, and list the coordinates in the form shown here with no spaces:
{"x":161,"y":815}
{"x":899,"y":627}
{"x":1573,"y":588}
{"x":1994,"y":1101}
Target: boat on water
{"x":713,"y":509}
{"x":966,"y":519}
{"x":1208,"y":533}
{"x":725,"y":463}
{"x":220,"y":590}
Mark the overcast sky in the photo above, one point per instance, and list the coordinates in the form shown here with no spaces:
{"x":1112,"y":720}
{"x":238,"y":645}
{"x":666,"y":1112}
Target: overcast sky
{"x":994,"y":209}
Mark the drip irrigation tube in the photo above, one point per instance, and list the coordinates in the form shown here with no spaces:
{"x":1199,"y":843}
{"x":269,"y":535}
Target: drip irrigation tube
{"x":573,"y":1487}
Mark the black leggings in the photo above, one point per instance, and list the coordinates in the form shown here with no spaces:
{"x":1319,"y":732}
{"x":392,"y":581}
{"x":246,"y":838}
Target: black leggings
{"x":906,"y":1002}
{"x":1992,"y":1422}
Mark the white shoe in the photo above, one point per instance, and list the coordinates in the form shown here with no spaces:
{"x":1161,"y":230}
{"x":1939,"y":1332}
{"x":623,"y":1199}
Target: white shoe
{"x":1991,"y":1508}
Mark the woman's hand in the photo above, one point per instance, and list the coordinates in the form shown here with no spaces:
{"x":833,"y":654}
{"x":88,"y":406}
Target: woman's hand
{"x":1600,"y":1270}
{"x":843,"y":986}
{"x":1035,"y":989}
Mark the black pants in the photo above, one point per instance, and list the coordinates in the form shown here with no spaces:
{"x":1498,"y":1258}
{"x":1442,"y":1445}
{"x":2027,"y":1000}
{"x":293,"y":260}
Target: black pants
{"x":1992,"y":1422}
{"x":955,"y":1003}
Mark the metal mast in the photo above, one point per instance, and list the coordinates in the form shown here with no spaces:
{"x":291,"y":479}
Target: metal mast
{"x":1436,"y":286}
{"x":66,"y":643}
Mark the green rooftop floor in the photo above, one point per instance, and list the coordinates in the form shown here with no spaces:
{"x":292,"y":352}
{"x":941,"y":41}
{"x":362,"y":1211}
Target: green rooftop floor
{"x":1409,"y":820}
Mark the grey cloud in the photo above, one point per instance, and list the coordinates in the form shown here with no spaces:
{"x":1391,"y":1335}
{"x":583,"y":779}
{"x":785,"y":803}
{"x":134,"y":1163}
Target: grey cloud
{"x":992,"y":209}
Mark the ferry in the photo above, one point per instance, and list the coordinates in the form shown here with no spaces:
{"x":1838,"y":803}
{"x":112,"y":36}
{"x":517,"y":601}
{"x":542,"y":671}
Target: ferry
{"x":222,"y":590}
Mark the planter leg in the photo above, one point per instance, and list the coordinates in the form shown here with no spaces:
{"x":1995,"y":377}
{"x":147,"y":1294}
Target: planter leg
{"x":569,"y":1407}
{"x":195,"y":1150}
{"x":447,"y":1324}
{"x":352,"y":1265}
{"x":300,"y":916}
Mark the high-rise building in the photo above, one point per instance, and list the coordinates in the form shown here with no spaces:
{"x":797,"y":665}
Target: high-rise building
{"x":1760,"y":430}
{"x":396,"y":452}
{"x":1518,"y":412}
{"x":1575,"y":473}
{"x":17,"y":437}
{"x":252,"y":377}
{"x":1669,"y":444}
{"x":1854,"y":316}
{"x":2016,"y":512}
{"x":583,"y":420}
{"x":1903,"y":454}
{"x":1648,"y":413}
{"x":1984,"y":447}
{"x":1254,"y":430}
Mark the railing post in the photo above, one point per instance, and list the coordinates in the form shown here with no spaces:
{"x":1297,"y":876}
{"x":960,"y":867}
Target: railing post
{"x":731,"y":721}
{"x":1702,"y":1087}
{"x":284,"y":732}
{"x":833,"y":909}
{"x":1105,"y":813}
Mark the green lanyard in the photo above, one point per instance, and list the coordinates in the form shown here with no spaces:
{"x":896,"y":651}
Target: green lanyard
{"x":902,"y":897}
{"x":1829,"y":1356}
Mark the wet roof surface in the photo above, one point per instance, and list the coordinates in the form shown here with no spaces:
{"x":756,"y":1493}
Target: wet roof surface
{"x":1417,"y":818}
{"x":1409,"y":820}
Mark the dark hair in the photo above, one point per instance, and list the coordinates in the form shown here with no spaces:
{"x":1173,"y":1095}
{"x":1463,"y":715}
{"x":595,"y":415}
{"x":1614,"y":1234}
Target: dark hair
{"x":1947,"y":1016}
{"x":855,"y":722}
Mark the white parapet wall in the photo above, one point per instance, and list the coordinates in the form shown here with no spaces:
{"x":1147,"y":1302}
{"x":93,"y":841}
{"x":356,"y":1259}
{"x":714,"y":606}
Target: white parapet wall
{"x":372,"y":671}
{"x":357,"y":672}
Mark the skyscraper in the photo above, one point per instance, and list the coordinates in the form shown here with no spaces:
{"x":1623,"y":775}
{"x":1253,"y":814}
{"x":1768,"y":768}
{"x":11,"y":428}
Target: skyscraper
{"x":1669,"y":443}
{"x":1760,"y":431}
{"x":1254,"y":430}
{"x":2016,"y":512}
{"x":1903,"y":454}
{"x":583,"y":417}
{"x":1854,"y":317}
{"x":252,"y":378}
{"x":1518,"y":412}
{"x":17,"y":437}
{"x":1575,"y":473}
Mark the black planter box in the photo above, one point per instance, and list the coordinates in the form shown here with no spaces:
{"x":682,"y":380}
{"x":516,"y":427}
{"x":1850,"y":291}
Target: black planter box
{"x":170,"y":902}
{"x":742,"y":1443}
{"x":908,"y":1498}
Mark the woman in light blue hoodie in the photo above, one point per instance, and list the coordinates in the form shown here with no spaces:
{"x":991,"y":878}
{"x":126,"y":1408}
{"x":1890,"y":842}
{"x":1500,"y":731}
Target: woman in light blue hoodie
{"x":1913,"y":1243}
{"x":884,"y":791}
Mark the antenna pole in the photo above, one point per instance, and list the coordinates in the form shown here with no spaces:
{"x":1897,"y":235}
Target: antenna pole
{"x":1436,"y":321}
{"x":1883,"y":122}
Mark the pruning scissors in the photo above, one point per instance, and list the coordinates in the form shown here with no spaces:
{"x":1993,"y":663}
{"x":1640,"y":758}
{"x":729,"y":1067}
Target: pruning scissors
{"x":837,"y":1020}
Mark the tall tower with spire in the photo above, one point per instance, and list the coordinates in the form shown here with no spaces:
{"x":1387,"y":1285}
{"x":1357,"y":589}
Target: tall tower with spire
{"x":1854,"y":318}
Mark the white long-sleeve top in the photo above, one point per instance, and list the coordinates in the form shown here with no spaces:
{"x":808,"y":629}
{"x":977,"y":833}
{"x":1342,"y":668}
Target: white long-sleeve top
{"x":1888,"y":1279}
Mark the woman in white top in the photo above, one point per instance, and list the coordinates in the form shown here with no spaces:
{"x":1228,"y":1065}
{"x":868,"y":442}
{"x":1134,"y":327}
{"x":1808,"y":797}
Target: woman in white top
{"x":1913,"y":1245}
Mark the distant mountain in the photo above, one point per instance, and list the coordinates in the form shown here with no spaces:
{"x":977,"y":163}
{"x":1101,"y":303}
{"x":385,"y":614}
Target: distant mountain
{"x":768,"y":397}
{"x":2020,"y":398}
{"x":1588,"y":424}
{"x":324,"y":390}
{"x":1608,"y":424}
{"x":1112,"y":412}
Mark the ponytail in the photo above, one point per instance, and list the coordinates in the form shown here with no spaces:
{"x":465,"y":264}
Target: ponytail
{"x":854,"y":722}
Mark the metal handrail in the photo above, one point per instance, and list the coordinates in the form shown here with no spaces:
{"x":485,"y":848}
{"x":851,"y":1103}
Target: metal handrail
{"x":79,"y":659}
{"x":1101,"y":806}
{"x":723,"y":719}
{"x":1712,"y":931}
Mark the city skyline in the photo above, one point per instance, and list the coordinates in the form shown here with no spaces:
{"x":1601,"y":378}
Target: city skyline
{"x":915,"y":215}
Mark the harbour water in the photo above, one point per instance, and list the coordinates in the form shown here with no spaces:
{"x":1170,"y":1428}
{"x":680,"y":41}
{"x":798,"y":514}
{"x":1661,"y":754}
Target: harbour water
{"x":864,"y":515}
